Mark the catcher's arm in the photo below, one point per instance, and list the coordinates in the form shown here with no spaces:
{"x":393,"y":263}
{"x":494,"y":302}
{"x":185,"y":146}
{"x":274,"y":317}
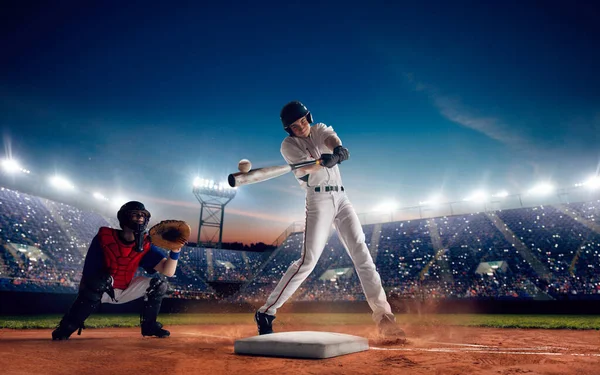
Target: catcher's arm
{"x":170,"y":235}
{"x":167,"y":266}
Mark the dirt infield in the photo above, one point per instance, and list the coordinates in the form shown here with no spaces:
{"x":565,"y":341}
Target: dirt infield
{"x":208,"y":349}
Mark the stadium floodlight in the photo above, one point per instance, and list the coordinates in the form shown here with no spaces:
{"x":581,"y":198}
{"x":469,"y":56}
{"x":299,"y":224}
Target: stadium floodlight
{"x":542,"y":188}
{"x":501,"y":194}
{"x":592,"y":183}
{"x":100,"y":197}
{"x":197,"y":182}
{"x":212,"y":188}
{"x":61,"y":183}
{"x":12,"y":166}
{"x":477,"y":196}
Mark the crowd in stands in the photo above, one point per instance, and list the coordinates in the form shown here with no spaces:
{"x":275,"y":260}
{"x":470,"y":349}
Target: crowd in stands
{"x":546,"y":251}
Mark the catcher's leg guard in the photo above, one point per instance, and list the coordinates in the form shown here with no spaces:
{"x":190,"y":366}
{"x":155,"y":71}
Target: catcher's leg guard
{"x":264,"y":323}
{"x":88,"y":300}
{"x":152,"y":302}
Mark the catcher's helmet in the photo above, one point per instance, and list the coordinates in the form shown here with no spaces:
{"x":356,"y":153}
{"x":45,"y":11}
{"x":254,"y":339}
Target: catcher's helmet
{"x":125,"y":219}
{"x":292,"y":112}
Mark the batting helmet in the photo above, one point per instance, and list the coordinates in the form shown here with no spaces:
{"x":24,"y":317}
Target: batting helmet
{"x":292,"y":112}
{"x":125,"y":220}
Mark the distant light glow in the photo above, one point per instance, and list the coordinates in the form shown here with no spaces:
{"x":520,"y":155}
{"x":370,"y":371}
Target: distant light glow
{"x":477,"y":196}
{"x":542,"y":188}
{"x":386,"y":206}
{"x":592,"y":182}
{"x":100,"y":196}
{"x":10,"y":165}
{"x":501,"y":194}
{"x":13,"y":166}
{"x":61,"y":183}
{"x":119,"y":201}
{"x":211,"y":187}
{"x":433,"y":201}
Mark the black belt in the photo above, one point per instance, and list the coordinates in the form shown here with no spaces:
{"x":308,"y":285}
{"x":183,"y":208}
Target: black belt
{"x":329,"y":188}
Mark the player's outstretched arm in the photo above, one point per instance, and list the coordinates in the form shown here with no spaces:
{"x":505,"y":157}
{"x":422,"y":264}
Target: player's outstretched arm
{"x":170,"y":235}
{"x":168,"y":266}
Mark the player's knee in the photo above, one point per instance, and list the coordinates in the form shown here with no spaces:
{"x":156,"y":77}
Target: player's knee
{"x":357,"y":239}
{"x":309,"y":262}
{"x":365,"y":264}
{"x":92,"y":288}
{"x":158,"y":288}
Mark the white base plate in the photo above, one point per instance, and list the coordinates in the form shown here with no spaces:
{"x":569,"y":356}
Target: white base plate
{"x":301,"y":344}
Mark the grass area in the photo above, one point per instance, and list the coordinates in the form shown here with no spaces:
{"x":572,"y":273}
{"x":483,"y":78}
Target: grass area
{"x":473,"y":320}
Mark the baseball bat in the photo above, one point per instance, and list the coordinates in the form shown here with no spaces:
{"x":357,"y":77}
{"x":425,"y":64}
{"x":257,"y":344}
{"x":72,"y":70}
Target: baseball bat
{"x":266,"y":173}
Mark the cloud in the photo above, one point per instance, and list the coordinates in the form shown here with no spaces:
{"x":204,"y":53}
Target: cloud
{"x":492,"y":127}
{"x":454,"y":110}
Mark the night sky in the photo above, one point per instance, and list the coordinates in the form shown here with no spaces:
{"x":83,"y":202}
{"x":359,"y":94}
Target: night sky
{"x":135,"y":99}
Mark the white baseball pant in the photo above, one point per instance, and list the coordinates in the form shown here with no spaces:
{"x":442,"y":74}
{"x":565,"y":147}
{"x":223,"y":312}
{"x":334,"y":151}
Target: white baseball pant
{"x":136,"y":289}
{"x":322,"y":210}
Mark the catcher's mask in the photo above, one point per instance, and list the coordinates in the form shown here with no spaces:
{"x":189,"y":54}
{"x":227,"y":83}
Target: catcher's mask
{"x":125,"y":220}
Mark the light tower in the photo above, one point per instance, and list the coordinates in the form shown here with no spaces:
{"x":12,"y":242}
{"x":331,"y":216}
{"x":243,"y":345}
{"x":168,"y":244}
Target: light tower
{"x":212,"y":197}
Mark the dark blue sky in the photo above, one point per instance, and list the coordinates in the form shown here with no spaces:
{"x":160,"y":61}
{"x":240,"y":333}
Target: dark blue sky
{"x":135,"y":100}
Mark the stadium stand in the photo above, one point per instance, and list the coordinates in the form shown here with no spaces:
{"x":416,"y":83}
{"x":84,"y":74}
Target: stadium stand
{"x":542,"y":252}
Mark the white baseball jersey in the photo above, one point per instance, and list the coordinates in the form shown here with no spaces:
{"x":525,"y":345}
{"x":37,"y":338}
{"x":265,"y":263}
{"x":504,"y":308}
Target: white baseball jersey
{"x":325,"y":208}
{"x":296,"y":150}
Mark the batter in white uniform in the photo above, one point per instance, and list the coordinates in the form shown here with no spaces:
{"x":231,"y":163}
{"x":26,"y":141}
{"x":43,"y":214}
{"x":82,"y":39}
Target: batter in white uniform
{"x":326,"y":205}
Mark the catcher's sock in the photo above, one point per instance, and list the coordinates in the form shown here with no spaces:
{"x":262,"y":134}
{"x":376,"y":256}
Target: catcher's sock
{"x":154,"y":329}
{"x":264,"y":323}
{"x":388,"y":327}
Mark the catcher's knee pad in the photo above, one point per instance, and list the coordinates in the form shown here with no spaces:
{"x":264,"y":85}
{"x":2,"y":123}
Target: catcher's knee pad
{"x":94,"y":287}
{"x":157,"y":289}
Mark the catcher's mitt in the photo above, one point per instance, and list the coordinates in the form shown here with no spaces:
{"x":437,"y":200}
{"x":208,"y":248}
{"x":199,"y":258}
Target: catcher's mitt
{"x":170,"y":234}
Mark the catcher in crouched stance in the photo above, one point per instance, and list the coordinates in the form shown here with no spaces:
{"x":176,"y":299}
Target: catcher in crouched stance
{"x":112,"y":261}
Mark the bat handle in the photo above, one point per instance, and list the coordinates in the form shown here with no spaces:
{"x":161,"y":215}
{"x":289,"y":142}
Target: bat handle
{"x":305,"y":164}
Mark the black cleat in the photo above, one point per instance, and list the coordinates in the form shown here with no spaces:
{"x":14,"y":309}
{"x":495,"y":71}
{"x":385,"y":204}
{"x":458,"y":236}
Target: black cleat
{"x":154,"y":329}
{"x":64,"y":330}
{"x":264,"y":323}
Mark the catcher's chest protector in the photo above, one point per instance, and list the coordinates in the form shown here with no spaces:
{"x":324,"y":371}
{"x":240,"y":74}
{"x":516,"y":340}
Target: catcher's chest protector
{"x":121,"y":260}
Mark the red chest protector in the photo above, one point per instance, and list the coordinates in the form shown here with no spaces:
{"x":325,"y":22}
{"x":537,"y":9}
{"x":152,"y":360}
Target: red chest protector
{"x":120,"y":259}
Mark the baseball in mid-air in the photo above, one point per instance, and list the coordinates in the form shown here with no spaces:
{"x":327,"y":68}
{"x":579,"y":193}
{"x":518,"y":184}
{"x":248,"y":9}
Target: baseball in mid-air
{"x":244,"y":165}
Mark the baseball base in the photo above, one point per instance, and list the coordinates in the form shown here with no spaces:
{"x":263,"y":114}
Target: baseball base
{"x":301,"y":344}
